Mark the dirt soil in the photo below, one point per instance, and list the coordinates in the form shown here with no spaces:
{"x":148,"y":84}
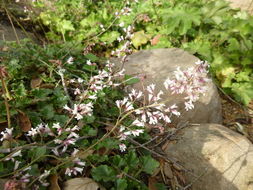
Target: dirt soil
{"x":237,"y":117}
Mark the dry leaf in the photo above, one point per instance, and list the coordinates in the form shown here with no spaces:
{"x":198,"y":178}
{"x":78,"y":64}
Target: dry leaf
{"x":36,"y":82}
{"x":24,"y":121}
{"x":151,"y":183}
{"x":180,"y":176}
{"x":82,"y":184}
{"x":155,"y":40}
{"x":167,"y":170}
{"x":54,"y":182}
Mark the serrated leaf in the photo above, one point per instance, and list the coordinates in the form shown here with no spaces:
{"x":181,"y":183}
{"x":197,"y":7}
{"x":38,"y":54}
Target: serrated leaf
{"x":65,"y":25}
{"x":234,"y":45}
{"x":243,"y":92}
{"x":47,"y":111}
{"x":121,"y":184}
{"x":103,"y":173}
{"x":149,"y":164}
{"x":140,"y":38}
{"x":39,"y":152}
{"x":181,"y":19}
{"x":110,"y":37}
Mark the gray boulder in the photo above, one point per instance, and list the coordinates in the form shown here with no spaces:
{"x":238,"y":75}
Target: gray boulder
{"x":221,"y":158}
{"x":157,"y":65}
{"x":245,"y":5}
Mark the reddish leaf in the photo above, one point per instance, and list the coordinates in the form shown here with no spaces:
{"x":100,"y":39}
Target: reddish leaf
{"x":24,"y":121}
{"x":155,"y":40}
{"x":151,"y":183}
{"x":54,"y":183}
{"x":36,"y":82}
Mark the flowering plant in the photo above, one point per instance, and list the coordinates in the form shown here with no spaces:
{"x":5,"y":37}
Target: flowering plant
{"x":73,"y":119}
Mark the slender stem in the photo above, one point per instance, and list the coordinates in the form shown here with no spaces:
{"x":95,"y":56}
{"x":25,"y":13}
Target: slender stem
{"x":6,"y":102}
{"x":12,"y":25}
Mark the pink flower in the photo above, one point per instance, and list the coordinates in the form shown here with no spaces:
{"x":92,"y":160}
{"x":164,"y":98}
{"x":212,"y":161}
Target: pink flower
{"x":122,"y":147}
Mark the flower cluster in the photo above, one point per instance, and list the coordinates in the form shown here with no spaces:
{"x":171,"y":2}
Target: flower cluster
{"x":191,"y":82}
{"x":154,"y":112}
{"x":40,"y":129}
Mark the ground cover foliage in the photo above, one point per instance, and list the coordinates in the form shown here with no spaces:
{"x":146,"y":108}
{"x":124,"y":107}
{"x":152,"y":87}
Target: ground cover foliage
{"x":63,"y":109}
{"x":36,"y":99}
{"x":209,"y":29}
{"x":65,"y":114}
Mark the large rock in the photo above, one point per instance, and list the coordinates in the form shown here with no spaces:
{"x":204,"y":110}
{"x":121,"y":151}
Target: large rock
{"x":246,"y":5}
{"x":157,"y":65}
{"x":7,"y":33}
{"x":223,"y":158}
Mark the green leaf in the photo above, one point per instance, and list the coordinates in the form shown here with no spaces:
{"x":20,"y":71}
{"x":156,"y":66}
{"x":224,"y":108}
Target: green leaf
{"x":121,"y":184}
{"x":181,"y":19}
{"x":243,"y":92}
{"x":92,"y":57}
{"x":110,"y":37}
{"x":20,"y":92}
{"x":149,"y":164}
{"x":118,"y":161}
{"x":37,"y":152}
{"x":242,"y":77}
{"x":103,"y":173}
{"x":132,"y":160}
{"x":160,"y":186}
{"x":47,"y":111}
{"x":65,"y":25}
{"x":41,"y":93}
{"x":140,"y":38}
{"x":129,"y":80}
{"x":234,"y":45}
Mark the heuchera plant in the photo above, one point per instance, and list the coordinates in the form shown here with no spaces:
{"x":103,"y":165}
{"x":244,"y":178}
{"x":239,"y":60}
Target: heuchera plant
{"x":59,"y":142}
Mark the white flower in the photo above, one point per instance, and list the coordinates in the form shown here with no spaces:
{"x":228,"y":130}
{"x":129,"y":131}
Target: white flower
{"x":138,"y":123}
{"x":44,"y":175}
{"x":33,"y":132}
{"x":88,"y":62}
{"x":79,"y":80}
{"x":15,"y":154}
{"x":189,"y":105}
{"x":70,"y":60}
{"x":79,"y":162}
{"x":121,"y":24}
{"x":77,"y":91}
{"x":7,"y":134}
{"x":57,"y":141}
{"x":70,"y":171}
{"x":56,"y":125}
{"x":16,"y":165}
{"x":74,"y":152}
{"x":122,"y":147}
{"x":137,"y":132}
{"x":93,"y":97}
{"x":78,"y":116}
{"x":55,"y":151}
{"x":73,"y":134}
{"x":122,"y":128}
{"x":151,"y":88}
{"x":59,"y":128}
